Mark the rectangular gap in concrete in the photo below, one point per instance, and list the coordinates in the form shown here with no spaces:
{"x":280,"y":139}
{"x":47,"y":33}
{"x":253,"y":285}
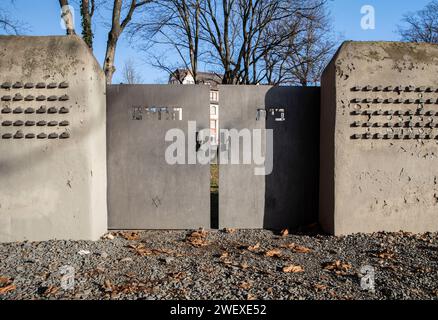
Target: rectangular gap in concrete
{"x":214,"y":195}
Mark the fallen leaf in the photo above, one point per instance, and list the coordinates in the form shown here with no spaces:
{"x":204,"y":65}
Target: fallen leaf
{"x":7,"y":288}
{"x":108,"y":286}
{"x":245,"y":285}
{"x":251,"y":297}
{"x":254,"y":247}
{"x":198,"y":238}
{"x":129,"y":235}
{"x":229,"y":230}
{"x":273,"y":253}
{"x":293,"y":269}
{"x":297,"y":248}
{"x":244,"y":265}
{"x":320,"y":287}
{"x":224,"y":255}
{"x":284,"y":232}
{"x":108,"y":236}
{"x":141,"y":250}
{"x":100,"y":269}
{"x":337,"y":266}
{"x":4,"y":280}
{"x":84,"y":252}
{"x":177,"y":275}
{"x":51,"y":290}
{"x":386,"y":255}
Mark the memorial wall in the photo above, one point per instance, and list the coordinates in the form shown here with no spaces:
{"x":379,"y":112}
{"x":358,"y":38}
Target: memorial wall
{"x":52,"y":140}
{"x":379,"y":139}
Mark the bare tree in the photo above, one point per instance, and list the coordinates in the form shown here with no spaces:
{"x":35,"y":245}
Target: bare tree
{"x":117,"y":27}
{"x":88,"y":8}
{"x":421,"y":26}
{"x":67,"y":16}
{"x":242,"y":33}
{"x":8,"y":25}
{"x":130,"y":74}
{"x":174,"y":25}
{"x":302,"y":58}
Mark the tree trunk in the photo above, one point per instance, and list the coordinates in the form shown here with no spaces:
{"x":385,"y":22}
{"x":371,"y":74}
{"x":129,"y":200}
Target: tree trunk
{"x":87,"y":32}
{"x":109,"y":67}
{"x":67,"y":17}
{"x":115,"y":32}
{"x":113,"y":37}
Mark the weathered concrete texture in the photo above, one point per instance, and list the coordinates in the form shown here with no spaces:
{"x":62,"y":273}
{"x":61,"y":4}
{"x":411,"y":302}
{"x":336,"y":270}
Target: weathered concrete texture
{"x":379,"y":165}
{"x":287,"y":197}
{"x":52,"y":140}
{"x":144,"y":191}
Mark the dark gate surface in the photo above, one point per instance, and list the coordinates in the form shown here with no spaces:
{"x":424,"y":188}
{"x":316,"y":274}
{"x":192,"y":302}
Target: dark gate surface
{"x":288,"y":196}
{"x":144,"y":191}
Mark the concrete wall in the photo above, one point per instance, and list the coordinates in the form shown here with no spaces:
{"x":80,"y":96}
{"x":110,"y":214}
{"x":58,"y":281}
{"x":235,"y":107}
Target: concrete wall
{"x":379,"y":165}
{"x":288,"y":197}
{"x":144,"y":191}
{"x":52,"y":172}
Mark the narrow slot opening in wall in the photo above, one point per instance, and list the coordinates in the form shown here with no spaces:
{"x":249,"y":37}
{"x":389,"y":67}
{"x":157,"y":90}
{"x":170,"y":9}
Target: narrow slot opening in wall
{"x":214,"y":195}
{"x":214,"y":163}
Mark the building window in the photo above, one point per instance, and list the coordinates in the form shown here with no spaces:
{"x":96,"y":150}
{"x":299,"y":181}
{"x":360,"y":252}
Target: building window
{"x":213,"y":110}
{"x":213,"y":124}
{"x":214,"y":96}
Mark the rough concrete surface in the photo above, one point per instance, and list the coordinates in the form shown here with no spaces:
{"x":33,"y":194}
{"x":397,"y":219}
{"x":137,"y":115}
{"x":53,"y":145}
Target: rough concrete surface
{"x":52,"y":140}
{"x":379,"y":139}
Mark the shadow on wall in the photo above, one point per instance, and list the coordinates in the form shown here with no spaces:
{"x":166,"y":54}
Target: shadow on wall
{"x":292,"y":189}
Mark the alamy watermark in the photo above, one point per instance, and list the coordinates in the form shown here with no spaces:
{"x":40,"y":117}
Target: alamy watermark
{"x":67,"y":274}
{"x":368,"y":21}
{"x":367,"y":278}
{"x":243,"y":146}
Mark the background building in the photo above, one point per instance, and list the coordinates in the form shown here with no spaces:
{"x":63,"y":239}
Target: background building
{"x":184,"y":76}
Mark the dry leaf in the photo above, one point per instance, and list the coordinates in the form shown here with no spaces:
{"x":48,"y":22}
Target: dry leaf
{"x":254,"y":247}
{"x":50,"y":291}
{"x":337,"y":266}
{"x":251,"y":297}
{"x":297,"y":248}
{"x":108,"y":236}
{"x":293,"y":269}
{"x":284,"y":232}
{"x":129,"y":235}
{"x":224,"y":255}
{"x":198,"y":238}
{"x":108,"y":286}
{"x":273,"y":253}
{"x":301,"y":249}
{"x":245,"y":285}
{"x":141,"y":250}
{"x":4,"y":280}
{"x":177,"y":275}
{"x":7,"y":288}
{"x":229,"y":230}
{"x":320,"y":287}
{"x":386,"y":255}
{"x":244,"y":265}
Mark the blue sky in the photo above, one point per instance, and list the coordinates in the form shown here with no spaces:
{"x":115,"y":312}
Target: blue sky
{"x":42,"y":17}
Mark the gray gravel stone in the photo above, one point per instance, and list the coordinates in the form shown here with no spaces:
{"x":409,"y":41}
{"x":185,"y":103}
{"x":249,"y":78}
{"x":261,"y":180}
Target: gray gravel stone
{"x":165,"y":265}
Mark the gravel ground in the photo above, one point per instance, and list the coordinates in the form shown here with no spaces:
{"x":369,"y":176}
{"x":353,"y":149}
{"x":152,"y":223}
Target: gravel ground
{"x":228,"y":264}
